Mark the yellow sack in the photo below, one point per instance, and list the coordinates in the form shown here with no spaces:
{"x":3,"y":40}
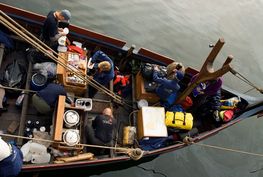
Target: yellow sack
{"x":180,"y":120}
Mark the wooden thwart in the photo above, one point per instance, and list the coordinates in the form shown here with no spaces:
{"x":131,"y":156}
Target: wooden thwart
{"x":207,"y":71}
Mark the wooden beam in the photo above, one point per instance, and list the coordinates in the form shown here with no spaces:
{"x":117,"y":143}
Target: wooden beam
{"x":207,"y":71}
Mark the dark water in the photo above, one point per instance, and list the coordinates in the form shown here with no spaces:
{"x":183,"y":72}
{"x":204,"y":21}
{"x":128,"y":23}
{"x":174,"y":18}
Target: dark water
{"x":183,"y":30}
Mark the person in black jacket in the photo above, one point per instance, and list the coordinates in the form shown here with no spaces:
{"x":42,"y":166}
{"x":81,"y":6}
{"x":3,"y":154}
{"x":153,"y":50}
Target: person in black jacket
{"x":50,"y":30}
{"x":101,"y":130}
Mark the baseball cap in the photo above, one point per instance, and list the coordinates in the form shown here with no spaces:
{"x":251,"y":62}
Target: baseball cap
{"x":66,"y":14}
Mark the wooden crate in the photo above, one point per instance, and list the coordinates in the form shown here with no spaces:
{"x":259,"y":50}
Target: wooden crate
{"x":141,"y":92}
{"x":63,"y":73}
{"x":59,"y":126}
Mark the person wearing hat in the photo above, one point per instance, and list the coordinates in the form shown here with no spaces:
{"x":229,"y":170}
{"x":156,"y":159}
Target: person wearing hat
{"x":168,"y":86}
{"x":206,"y":98}
{"x":50,"y":31}
{"x":104,"y":70}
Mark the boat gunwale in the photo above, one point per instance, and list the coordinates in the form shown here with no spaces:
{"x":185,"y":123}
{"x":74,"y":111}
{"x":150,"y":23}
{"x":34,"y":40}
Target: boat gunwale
{"x":117,"y":45}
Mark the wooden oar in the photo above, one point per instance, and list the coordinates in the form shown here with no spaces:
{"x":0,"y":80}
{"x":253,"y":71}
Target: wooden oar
{"x":207,"y":71}
{"x":27,"y":36}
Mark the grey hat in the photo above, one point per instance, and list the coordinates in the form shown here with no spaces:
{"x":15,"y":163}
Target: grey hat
{"x":66,"y":14}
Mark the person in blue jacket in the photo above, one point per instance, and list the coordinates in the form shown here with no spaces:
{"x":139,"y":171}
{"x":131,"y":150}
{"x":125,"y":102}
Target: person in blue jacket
{"x":45,"y":100}
{"x":104,"y":70}
{"x":168,"y":86}
{"x":11,"y":159}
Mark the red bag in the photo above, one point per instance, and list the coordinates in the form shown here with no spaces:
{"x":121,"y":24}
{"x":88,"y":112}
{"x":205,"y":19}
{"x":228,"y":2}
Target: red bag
{"x":73,"y":48}
{"x":187,"y":103}
{"x":227,"y":115}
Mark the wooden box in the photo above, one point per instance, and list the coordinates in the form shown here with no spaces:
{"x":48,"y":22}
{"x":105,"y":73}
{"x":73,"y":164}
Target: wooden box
{"x":63,"y":74}
{"x":60,"y":128}
{"x":141,"y":92}
{"x":151,"y":122}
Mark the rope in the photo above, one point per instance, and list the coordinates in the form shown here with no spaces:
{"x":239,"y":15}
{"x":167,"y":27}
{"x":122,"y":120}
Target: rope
{"x":244,"y":79}
{"x":189,"y":141}
{"x":229,"y":149}
{"x":134,"y":154}
{"x":24,"y":31}
{"x":17,"y":89}
{"x":44,"y":49}
{"x":32,"y":91}
{"x":135,"y":111}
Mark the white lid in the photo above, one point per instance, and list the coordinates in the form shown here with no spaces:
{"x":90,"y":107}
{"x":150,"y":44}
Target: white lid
{"x":62,"y":40}
{"x":66,"y":31}
{"x":71,"y":117}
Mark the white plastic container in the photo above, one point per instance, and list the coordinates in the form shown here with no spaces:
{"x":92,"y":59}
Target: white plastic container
{"x":36,"y":148}
{"x":43,"y":158}
{"x":84,"y":103}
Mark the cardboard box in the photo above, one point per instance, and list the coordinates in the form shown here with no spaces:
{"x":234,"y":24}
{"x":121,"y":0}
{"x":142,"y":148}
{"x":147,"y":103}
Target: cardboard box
{"x":151,"y":122}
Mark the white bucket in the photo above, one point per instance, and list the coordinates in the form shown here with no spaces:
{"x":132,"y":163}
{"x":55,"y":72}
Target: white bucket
{"x":71,"y":118}
{"x":71,"y":137}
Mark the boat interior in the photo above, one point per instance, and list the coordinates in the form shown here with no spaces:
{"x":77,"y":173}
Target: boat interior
{"x":22,"y":122}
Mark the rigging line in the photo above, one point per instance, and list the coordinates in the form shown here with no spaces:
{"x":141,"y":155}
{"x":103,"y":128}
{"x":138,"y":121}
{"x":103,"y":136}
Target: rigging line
{"x":17,"y":89}
{"x":32,"y":91}
{"x":94,"y":83}
{"x":247,"y":82}
{"x":228,"y":149}
{"x":152,"y":170}
{"x":244,"y":79}
{"x":249,"y":90}
{"x":23,"y":30}
{"x":51,"y":141}
{"x":51,"y":56}
{"x":43,"y":50}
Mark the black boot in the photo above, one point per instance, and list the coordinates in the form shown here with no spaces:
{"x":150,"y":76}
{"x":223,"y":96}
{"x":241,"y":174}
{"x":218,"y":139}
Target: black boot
{"x":3,"y":109}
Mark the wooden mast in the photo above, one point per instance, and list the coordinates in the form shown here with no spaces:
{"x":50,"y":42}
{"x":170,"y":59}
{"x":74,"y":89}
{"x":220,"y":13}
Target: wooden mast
{"x":207,"y":71}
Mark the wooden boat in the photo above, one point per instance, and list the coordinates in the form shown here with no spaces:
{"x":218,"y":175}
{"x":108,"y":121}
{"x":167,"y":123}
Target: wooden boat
{"x":119,"y":156}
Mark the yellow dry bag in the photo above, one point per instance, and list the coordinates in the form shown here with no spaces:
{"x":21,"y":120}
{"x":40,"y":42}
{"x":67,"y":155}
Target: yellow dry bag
{"x":180,"y":120}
